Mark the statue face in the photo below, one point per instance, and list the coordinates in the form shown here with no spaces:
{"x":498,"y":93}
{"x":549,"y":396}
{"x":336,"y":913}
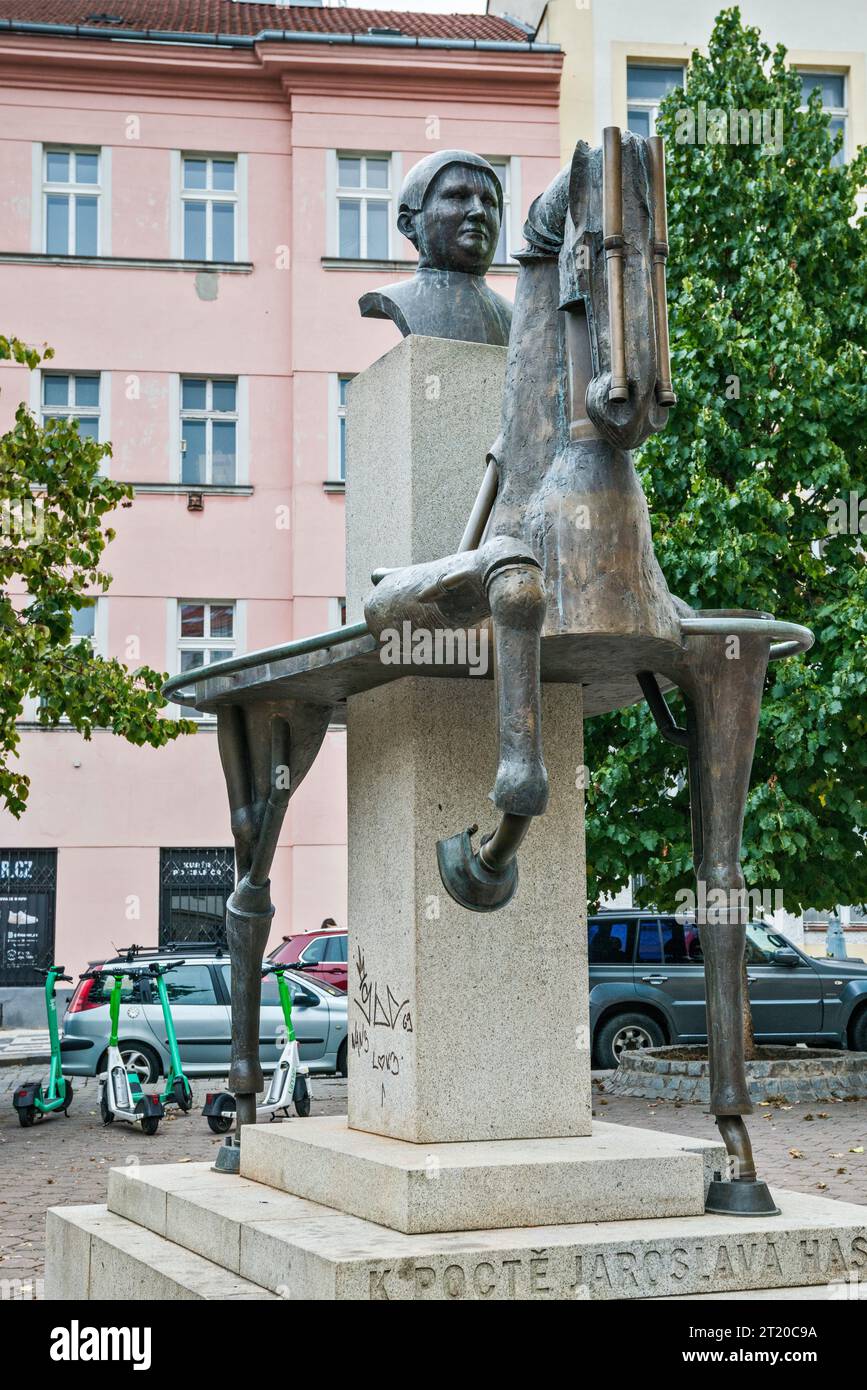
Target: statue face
{"x":459,"y":224}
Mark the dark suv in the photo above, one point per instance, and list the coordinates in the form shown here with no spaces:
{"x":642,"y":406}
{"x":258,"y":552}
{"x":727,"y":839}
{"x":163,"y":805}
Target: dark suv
{"x":647,"y":987}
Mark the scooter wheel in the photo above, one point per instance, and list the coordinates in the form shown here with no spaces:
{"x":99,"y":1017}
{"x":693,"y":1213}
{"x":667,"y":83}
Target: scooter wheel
{"x":150,"y":1124}
{"x":220,"y":1124}
{"x":27,"y":1117}
{"x":105,"y":1110}
{"x":67,"y":1097}
{"x":183,"y":1093}
{"x":301,"y":1097}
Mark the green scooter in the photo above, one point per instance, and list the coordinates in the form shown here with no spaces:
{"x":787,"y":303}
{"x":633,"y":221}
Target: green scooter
{"x":290,"y":1079}
{"x":121,"y":1096}
{"x":32,"y":1098}
{"x":178,"y":1090}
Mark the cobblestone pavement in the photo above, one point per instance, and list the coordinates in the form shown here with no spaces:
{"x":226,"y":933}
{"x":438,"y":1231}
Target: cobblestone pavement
{"x":810,"y":1148}
{"x":65,"y":1162}
{"x":818,"y":1148}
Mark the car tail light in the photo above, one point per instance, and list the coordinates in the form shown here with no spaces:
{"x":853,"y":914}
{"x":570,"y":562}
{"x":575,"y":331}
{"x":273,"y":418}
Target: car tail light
{"x":81,"y":999}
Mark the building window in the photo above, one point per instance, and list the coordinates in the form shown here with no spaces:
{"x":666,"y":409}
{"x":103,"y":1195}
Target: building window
{"x":503,"y":170}
{"x":364,"y":206}
{"x":342,"y":384}
{"x":206,"y":633}
{"x":70,"y":192}
{"x":646,"y":87}
{"x":194,"y":887}
{"x":209,"y":430}
{"x":28,"y":884}
{"x":209,"y":198}
{"x":832,"y":86}
{"x":71,"y":397}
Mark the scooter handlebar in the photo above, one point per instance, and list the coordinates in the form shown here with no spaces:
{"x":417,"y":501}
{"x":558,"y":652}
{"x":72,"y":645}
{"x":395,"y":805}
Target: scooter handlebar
{"x":155,"y":969}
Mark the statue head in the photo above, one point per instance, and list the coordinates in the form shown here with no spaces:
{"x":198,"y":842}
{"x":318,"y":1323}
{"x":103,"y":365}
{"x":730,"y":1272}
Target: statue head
{"x":450,"y":208}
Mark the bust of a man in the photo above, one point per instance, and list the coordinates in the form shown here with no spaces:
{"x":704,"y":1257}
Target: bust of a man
{"x":451,"y":206}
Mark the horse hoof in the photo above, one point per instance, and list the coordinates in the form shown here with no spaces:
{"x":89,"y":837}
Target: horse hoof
{"x":470,"y":882}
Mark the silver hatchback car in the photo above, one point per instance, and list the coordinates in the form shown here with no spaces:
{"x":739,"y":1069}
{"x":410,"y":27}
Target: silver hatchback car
{"x":200,"y":1001}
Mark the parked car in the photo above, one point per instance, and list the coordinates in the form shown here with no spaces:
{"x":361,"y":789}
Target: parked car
{"x":322,"y":955}
{"x":647,"y":987}
{"x":200,"y":1001}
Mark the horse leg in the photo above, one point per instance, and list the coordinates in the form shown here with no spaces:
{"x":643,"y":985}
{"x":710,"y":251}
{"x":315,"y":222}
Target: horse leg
{"x":723,"y":687}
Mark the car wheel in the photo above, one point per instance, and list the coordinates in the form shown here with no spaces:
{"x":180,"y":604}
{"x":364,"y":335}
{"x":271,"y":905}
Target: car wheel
{"x":343,"y":1059}
{"x":858,"y":1037}
{"x":626,"y":1033}
{"x":137,"y":1057}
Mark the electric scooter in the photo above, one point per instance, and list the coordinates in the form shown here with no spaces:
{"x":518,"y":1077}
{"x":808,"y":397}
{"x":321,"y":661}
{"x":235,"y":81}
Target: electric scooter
{"x":32,"y":1098}
{"x":178,"y":1090}
{"x":290,"y":1080}
{"x":121,"y":1096}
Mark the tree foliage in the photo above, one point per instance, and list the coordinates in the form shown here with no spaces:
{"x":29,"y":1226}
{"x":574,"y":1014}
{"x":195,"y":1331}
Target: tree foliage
{"x":53,"y":505}
{"x":768,"y":312}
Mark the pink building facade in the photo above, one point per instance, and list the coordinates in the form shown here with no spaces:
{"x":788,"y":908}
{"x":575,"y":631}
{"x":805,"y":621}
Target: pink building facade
{"x":190,"y":225}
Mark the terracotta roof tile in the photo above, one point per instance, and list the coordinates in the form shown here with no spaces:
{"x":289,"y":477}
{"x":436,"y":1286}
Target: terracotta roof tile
{"x":237,"y":17}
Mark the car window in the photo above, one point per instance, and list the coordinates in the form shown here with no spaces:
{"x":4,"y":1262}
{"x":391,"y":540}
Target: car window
{"x":762,"y":944}
{"x":649,"y":949}
{"x":133,"y":990}
{"x":336,"y":949}
{"x":270,"y":996}
{"x":315,"y":952}
{"x":611,"y":941}
{"x":190,"y":984}
{"x":680,"y":945}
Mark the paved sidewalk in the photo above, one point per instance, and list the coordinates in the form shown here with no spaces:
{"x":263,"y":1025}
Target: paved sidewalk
{"x":65,"y":1162}
{"x":809,"y":1148}
{"x":19,"y":1045}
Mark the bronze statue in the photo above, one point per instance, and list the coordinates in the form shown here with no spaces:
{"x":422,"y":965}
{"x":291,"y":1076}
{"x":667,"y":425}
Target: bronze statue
{"x":450,"y":208}
{"x":558,"y":558}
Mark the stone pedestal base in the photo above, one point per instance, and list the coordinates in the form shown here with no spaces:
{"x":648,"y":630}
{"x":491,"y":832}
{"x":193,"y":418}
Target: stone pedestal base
{"x":616,"y":1174}
{"x":184,"y":1231}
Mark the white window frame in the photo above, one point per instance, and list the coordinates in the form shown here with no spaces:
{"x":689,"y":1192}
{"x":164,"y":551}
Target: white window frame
{"x":99,"y":647}
{"x":363,"y":195}
{"x":208,"y":195}
{"x":72,"y":191}
{"x":336,"y":416}
{"x":237,"y":416}
{"x":837,"y":113}
{"x":337,"y":613}
{"x":645,"y":103}
{"x":227,"y":646}
{"x":103,"y":411}
{"x":512,"y":202}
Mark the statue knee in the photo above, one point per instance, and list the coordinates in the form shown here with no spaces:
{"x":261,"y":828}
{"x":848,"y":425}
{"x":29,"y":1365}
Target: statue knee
{"x":514,"y":584}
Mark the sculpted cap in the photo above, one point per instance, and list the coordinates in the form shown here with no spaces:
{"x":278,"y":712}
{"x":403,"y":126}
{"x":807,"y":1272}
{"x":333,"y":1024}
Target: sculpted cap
{"x":420,"y":177}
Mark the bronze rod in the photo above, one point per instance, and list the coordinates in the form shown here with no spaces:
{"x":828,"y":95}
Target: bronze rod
{"x":482,"y":508}
{"x":503,"y":845}
{"x":612,"y":232}
{"x":664,"y":389}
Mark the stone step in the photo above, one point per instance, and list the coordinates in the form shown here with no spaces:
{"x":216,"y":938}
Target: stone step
{"x":298,"y":1249}
{"x":616,"y":1174}
{"x":92,"y":1253}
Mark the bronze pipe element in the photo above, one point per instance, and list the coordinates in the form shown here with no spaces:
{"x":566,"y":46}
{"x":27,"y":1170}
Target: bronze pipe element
{"x":481,"y":509}
{"x":615,"y":251}
{"x":501,"y":848}
{"x":664,"y":389}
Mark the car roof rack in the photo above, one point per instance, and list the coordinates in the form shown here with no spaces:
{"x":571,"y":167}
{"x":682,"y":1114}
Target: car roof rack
{"x":172,"y":948}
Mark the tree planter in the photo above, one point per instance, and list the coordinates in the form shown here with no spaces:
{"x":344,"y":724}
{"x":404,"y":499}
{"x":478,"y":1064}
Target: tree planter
{"x":778,"y":1073}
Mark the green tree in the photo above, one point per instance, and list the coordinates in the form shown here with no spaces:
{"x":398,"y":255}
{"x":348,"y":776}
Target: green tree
{"x":53,"y":505}
{"x":768,"y":309}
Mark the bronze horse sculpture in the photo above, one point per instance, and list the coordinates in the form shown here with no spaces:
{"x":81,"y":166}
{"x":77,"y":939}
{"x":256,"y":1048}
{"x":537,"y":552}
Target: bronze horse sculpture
{"x":557,"y":564}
